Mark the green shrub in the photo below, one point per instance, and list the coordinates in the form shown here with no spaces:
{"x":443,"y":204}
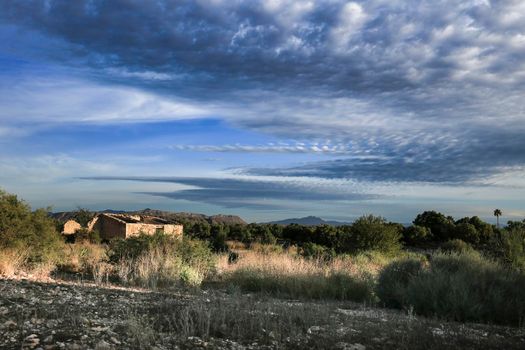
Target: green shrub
{"x":394,"y":279}
{"x":510,"y":248}
{"x":316,"y":251}
{"x":460,"y":287}
{"x":456,"y":246}
{"x":32,"y":232}
{"x":83,"y":216}
{"x":416,"y":234}
{"x":467,"y":232}
{"x":371,"y":233}
{"x":218,"y":243}
{"x":85,"y":235}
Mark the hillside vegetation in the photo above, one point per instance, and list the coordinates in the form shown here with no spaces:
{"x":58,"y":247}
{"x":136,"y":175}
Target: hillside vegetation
{"x":457,"y":270}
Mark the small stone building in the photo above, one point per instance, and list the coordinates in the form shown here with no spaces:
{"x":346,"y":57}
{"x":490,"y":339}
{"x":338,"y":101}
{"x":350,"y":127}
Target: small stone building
{"x":112,"y":226}
{"x":70,"y":227}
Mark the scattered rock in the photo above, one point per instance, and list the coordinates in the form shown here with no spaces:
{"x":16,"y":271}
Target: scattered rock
{"x":314,"y":329}
{"x":347,"y":346}
{"x":48,"y":339}
{"x":115,"y":341}
{"x":102,"y":345}
{"x":9,"y":325}
{"x":31,"y":342}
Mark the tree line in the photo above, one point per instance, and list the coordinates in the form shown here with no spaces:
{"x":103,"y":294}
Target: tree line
{"x":368,"y":232}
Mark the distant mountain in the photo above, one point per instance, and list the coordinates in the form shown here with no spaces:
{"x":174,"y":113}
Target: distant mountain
{"x":308,"y":221}
{"x":175,"y":217}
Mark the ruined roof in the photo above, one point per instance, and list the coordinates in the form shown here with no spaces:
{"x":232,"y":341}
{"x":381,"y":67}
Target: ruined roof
{"x":137,"y":219}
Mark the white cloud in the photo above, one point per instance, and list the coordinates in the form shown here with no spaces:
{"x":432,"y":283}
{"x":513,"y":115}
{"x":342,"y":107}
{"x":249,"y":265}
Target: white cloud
{"x":52,"y":100}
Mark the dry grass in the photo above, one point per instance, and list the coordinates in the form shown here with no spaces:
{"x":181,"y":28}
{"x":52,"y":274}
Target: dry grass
{"x":157,"y":269}
{"x":14,"y":262}
{"x":11,"y":261}
{"x":289,"y":263}
{"x":83,"y":257}
{"x":288,"y":274}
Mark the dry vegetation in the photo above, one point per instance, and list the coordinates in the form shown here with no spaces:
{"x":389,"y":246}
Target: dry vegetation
{"x":261,"y":296}
{"x":290,"y":275}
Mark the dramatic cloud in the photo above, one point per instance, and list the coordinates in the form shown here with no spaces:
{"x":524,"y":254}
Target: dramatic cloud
{"x":385,"y":91}
{"x":313,"y":148}
{"x":234,"y":193}
{"x":463,"y":162}
{"x":397,"y":79}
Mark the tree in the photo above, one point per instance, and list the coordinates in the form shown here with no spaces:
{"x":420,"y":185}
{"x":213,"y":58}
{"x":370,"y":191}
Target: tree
{"x":83,"y":216}
{"x":441,"y":226}
{"x":497,"y":214}
{"x":467,"y":233}
{"x":219,"y":237}
{"x":371,"y":233}
{"x":415,"y":234}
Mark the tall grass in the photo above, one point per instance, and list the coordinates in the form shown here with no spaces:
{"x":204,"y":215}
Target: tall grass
{"x":160,"y":261}
{"x":12,"y":261}
{"x":290,"y":275}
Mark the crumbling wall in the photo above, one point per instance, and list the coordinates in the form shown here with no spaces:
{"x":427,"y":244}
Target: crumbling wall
{"x":70,"y":227}
{"x":150,"y":229}
{"x":111,"y":228}
{"x":174,"y":230}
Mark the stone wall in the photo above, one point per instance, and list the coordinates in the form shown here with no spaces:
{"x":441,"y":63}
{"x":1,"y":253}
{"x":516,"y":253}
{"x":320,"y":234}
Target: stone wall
{"x":150,"y":229}
{"x":174,"y":230}
{"x":70,"y":227}
{"x":110,"y":227}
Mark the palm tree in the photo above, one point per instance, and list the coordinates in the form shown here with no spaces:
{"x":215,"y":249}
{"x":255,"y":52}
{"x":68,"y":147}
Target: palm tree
{"x":497,"y":214}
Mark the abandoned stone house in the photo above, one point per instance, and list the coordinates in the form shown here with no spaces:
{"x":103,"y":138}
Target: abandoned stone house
{"x":111,"y":226}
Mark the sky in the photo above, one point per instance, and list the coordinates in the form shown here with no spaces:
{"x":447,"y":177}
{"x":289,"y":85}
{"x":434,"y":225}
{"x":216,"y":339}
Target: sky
{"x":265,"y":109}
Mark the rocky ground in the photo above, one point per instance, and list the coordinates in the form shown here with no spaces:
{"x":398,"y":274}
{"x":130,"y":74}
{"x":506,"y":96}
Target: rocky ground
{"x":68,"y":315}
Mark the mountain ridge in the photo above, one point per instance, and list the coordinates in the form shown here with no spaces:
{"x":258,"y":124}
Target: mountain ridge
{"x":308,"y":221}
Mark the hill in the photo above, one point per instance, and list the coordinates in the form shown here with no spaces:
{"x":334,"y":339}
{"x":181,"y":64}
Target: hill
{"x":308,"y":221}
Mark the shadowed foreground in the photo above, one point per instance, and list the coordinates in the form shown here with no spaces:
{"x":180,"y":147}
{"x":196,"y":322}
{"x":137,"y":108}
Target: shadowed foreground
{"x":81,"y":316}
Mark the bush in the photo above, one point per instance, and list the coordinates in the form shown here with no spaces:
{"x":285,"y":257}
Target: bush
{"x":456,"y":246}
{"x":416,"y":234}
{"x":161,"y":260}
{"x":85,"y":235}
{"x":510,"y":248}
{"x":316,"y":251}
{"x":34,"y":233}
{"x":83,"y":216}
{"x":218,"y":243}
{"x":441,"y":226}
{"x":394,"y":279}
{"x":460,"y":287}
{"x":467,"y":232}
{"x":371,"y":233}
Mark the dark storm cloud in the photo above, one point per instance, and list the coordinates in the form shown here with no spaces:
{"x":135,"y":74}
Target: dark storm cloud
{"x":432,"y":89}
{"x":236,"y":193}
{"x":338,"y":46}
